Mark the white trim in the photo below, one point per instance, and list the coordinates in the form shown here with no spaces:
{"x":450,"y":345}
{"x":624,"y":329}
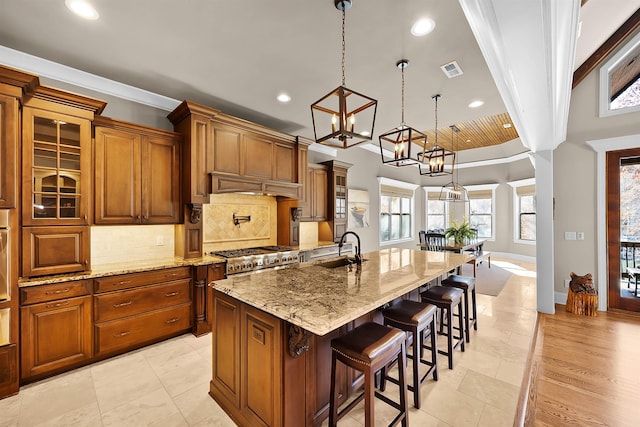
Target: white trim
{"x":491,"y":187}
{"x":492,"y":162}
{"x":519,"y":257}
{"x":323,"y":149}
{"x":522,"y":182}
{"x":395,"y":183}
{"x":601,"y":146}
{"x":603,"y":90}
{"x":73,"y":76}
{"x":560,"y":298}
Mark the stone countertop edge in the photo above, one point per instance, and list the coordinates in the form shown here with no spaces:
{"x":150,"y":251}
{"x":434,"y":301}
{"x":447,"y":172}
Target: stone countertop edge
{"x":104,"y":270}
{"x":320,"y":299}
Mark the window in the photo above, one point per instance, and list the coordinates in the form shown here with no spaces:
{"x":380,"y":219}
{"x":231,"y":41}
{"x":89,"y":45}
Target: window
{"x":524,"y":195}
{"x":619,"y":81}
{"x":481,"y":209}
{"x":396,"y":210}
{"x":436,"y":210}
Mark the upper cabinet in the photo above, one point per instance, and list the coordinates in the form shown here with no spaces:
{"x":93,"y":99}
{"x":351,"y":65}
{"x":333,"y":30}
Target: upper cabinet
{"x":337,"y":197}
{"x":315,"y":208}
{"x":226,"y":154}
{"x":137,"y":174}
{"x":8,"y":147}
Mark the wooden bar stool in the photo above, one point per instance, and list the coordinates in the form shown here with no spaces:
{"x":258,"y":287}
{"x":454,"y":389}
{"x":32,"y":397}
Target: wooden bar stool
{"x":369,"y":348}
{"x":419,"y":319}
{"x":467,"y":284}
{"x":446,"y":298}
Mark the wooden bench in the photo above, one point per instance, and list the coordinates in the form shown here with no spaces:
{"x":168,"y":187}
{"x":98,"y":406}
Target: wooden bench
{"x":478,"y":257}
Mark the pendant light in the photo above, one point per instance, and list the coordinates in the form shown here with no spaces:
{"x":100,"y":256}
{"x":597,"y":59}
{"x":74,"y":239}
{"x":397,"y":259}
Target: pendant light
{"x":398,"y":141}
{"x":437,"y":161}
{"x":343,"y":117}
{"x":453,"y":191}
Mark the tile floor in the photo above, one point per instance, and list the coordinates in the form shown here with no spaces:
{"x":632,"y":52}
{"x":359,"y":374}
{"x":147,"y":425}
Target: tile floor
{"x":166,"y":384}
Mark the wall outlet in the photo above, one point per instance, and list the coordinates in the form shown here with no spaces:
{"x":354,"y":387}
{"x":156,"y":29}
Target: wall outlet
{"x":159,"y":240}
{"x":566,"y":283}
{"x":580,"y":235}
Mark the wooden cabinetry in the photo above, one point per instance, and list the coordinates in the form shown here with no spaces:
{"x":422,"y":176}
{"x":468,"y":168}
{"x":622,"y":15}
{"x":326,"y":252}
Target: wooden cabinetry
{"x":56,"y":184}
{"x":136,"y":309}
{"x":9,"y":122}
{"x":55,"y":328}
{"x":247,"y":363}
{"x":337,"y":198}
{"x":316,"y":194}
{"x":137,"y":174}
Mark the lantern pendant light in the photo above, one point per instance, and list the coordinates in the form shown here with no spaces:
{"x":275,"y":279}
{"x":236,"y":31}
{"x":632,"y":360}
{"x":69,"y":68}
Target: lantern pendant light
{"x":437,"y":161}
{"x":397,"y":142}
{"x":453,"y":191}
{"x":343,"y":117}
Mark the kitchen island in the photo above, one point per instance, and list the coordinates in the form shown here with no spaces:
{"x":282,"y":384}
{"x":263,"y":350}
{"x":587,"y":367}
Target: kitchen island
{"x":272,"y":329}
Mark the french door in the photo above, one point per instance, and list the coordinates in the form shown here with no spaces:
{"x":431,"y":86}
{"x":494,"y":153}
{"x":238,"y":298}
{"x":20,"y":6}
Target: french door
{"x":623,"y":227}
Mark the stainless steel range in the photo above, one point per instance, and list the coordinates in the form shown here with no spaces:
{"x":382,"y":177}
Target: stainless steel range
{"x":252,"y":259}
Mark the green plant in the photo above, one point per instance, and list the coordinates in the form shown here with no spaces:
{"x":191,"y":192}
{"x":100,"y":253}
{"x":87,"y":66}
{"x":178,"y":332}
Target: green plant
{"x":460,"y":232}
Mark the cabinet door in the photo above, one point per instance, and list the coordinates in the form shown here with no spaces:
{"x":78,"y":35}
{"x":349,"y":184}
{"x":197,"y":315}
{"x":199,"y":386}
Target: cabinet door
{"x":258,"y":157}
{"x":117,"y":176}
{"x":8,"y":148}
{"x":54,"y":250}
{"x":261,"y":368}
{"x":225,"y":382}
{"x":284,"y":168}
{"x":55,"y":335}
{"x":319,"y":197}
{"x":226,"y":150}
{"x":160,"y":180}
{"x":56,"y":160}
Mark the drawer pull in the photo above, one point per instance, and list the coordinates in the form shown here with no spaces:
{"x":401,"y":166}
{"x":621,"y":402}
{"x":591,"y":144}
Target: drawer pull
{"x":171,"y":275}
{"x":170,"y":321}
{"x":59,"y":291}
{"x":172,"y":294}
{"x":123,"y":304}
{"x":123,"y":282}
{"x":122,"y":334}
{"x":59,"y":304}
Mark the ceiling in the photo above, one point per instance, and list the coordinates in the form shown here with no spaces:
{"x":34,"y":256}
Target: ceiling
{"x":237,"y":56}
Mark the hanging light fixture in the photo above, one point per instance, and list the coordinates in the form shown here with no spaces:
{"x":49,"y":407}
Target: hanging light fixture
{"x":343,"y":117}
{"x":437,"y":161}
{"x":398,"y":142}
{"x":453,"y":191}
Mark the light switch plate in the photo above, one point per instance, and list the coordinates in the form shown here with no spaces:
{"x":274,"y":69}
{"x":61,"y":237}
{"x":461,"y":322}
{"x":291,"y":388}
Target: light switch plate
{"x":569,"y":235}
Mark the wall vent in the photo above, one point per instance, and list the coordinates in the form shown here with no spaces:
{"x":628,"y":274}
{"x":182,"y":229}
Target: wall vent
{"x":451,"y":69}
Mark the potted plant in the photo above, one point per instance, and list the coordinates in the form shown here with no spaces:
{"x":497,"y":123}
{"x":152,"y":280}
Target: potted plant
{"x":460,"y":232}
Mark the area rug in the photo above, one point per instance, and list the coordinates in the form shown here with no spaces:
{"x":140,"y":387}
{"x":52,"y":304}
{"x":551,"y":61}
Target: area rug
{"x":489,"y":281}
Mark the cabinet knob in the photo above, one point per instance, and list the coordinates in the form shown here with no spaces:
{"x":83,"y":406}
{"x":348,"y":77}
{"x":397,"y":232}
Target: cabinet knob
{"x":145,"y":217}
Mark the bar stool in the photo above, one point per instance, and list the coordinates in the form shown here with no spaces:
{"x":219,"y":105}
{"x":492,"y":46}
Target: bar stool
{"x":369,"y":348}
{"x":420,"y":320}
{"x":446,"y":298}
{"x":467,"y":284}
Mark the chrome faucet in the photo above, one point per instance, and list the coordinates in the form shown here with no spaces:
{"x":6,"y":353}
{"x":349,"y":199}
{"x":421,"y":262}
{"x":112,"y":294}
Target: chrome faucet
{"x":358,"y":257}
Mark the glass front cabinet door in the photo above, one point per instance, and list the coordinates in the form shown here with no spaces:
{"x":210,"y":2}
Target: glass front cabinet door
{"x":56,"y":161}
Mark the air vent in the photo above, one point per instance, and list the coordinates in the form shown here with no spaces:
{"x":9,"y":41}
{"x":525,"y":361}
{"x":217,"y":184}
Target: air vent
{"x":451,"y":69}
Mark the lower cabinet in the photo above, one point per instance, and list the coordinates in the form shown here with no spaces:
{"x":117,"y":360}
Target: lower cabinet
{"x":55,"y":250}
{"x":136,"y":309}
{"x":56,"y":332}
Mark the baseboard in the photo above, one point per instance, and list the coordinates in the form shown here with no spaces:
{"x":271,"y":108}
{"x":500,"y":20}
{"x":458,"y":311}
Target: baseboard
{"x":518,"y":257}
{"x":560,"y":298}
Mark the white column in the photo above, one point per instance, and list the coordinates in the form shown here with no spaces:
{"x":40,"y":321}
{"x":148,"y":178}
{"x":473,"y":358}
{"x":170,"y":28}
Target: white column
{"x":544,"y":231}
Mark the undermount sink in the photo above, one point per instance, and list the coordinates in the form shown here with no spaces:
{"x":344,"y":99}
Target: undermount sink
{"x":340,"y":262}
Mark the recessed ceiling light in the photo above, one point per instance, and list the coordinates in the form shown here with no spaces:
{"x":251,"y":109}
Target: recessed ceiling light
{"x":506,"y":125}
{"x":82,"y":8}
{"x":365,"y":133}
{"x":283,"y":97}
{"x":476,"y":104}
{"x":422,"y":27}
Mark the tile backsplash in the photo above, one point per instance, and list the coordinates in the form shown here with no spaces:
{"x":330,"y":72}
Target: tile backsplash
{"x":220,"y":233}
{"x":120,"y":243}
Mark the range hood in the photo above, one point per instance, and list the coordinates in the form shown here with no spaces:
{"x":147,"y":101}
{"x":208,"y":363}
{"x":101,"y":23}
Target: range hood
{"x":222,"y":183}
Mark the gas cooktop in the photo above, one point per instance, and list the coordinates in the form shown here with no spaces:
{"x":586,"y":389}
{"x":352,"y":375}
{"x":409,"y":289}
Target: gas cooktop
{"x":251,"y":259}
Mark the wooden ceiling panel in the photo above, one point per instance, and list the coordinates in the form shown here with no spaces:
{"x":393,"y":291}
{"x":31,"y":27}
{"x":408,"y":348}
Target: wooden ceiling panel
{"x":483,"y":132}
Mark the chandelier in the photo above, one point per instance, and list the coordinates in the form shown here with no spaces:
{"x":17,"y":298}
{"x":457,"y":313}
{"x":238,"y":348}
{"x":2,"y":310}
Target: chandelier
{"x":453,"y":191}
{"x":437,"y":161}
{"x":343,"y":118}
{"x":398,"y":141}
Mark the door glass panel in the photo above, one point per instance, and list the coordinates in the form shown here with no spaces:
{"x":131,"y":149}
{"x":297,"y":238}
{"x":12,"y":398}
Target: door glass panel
{"x":45,"y":130}
{"x":69,"y":134}
{"x":629,"y":227}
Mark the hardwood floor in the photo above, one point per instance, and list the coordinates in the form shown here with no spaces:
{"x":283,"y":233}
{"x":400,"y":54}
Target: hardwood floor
{"x":584,"y":371}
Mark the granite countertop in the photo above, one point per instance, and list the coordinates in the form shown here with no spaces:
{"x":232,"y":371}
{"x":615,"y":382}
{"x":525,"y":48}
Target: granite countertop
{"x":121,"y":268}
{"x":321,"y":299}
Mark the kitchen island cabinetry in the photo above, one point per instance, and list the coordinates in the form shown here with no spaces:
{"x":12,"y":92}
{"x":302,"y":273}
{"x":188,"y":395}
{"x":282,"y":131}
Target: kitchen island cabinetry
{"x":56,"y":332}
{"x":139,"y":308}
{"x":272,"y":331}
{"x":137,"y":174}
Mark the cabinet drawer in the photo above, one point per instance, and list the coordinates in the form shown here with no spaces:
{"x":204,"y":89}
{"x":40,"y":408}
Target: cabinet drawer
{"x":133,"y":331}
{"x":116,"y":305}
{"x":124,"y":281}
{"x":44,"y":293}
